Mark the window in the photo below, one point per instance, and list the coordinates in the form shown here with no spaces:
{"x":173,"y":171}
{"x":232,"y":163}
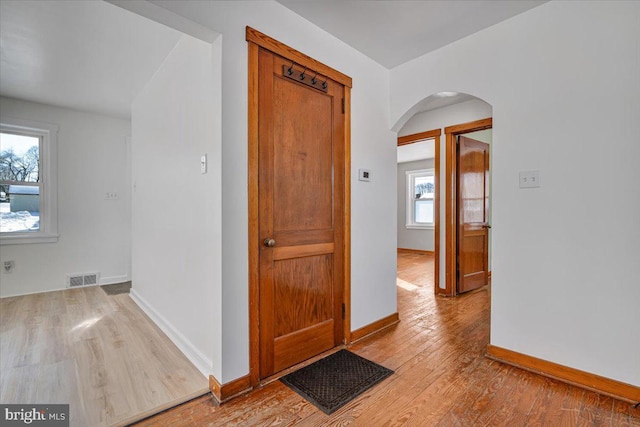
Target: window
{"x":420,"y":191}
{"x":28,"y":186}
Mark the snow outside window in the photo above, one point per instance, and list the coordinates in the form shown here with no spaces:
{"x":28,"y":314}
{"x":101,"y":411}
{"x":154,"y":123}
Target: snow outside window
{"x":28,"y":187}
{"x":420,"y":192}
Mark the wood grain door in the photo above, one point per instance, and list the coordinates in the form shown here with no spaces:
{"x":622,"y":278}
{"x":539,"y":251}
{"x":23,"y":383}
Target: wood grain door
{"x":473,"y":210}
{"x":301,"y":164}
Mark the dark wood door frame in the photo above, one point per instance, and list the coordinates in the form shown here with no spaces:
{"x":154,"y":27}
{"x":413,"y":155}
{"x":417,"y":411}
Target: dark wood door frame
{"x":417,"y":137}
{"x":451,"y":199}
{"x":257,"y":40}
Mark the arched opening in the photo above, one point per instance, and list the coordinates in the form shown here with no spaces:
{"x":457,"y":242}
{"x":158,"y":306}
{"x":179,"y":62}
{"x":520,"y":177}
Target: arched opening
{"x":443,"y":118}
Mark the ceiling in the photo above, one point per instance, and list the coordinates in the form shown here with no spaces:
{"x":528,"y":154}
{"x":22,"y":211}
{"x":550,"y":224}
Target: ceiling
{"x":417,"y":151}
{"x":86,"y":55}
{"x":95,"y":56}
{"x":394,"y":32}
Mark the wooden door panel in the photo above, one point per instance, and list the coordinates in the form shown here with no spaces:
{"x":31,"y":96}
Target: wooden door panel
{"x":302,"y":345}
{"x":300,"y":287}
{"x":303,"y":193}
{"x":473,"y":248}
{"x":473,"y":199}
{"x":472,"y":186}
{"x":473,"y":266}
{"x":288,"y":252}
{"x":473,"y":210}
{"x":295,"y":238}
{"x":300,"y":196}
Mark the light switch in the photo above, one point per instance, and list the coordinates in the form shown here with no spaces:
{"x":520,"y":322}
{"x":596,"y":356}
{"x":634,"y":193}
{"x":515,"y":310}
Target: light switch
{"x":364,"y":174}
{"x":203,"y":164}
{"x":529,"y":179}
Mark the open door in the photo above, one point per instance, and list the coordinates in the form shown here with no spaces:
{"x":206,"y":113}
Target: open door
{"x":473,"y":214}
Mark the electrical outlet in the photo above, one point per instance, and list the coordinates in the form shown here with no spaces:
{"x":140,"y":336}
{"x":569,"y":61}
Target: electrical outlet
{"x":111,"y":195}
{"x":9,"y":266}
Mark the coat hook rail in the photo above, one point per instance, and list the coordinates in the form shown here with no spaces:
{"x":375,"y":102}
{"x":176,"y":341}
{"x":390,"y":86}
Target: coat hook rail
{"x":301,"y":76}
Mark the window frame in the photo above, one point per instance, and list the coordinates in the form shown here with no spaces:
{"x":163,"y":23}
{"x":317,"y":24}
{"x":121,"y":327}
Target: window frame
{"x":410,"y":178}
{"x":48,"y":164}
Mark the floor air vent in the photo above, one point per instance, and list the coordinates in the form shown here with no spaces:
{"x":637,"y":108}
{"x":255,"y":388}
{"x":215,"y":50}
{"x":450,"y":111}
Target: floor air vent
{"x":79,"y":280}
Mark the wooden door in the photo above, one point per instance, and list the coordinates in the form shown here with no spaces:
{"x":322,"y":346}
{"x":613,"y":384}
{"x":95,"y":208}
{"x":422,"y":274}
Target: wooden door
{"x":473,"y":210}
{"x":301,"y":180}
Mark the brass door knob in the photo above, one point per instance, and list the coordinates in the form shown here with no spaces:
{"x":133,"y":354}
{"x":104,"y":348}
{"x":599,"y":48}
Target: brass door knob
{"x":269,"y":243}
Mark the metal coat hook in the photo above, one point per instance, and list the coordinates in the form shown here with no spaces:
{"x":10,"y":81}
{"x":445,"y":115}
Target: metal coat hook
{"x":301,"y":76}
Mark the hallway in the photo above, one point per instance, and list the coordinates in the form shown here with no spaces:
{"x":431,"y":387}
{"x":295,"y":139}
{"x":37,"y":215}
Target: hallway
{"x":441,"y":377}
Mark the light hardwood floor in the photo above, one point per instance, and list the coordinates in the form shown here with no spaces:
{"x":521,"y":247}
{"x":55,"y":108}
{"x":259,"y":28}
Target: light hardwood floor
{"x":441,"y":377}
{"x":99,"y":353}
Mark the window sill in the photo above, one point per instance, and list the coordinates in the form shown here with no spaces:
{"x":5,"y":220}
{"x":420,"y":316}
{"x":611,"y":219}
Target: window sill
{"x":419,"y":227}
{"x":21,"y":239}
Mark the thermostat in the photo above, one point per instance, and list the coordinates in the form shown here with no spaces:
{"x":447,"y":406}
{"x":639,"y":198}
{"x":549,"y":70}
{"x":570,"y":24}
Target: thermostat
{"x":364,"y":174}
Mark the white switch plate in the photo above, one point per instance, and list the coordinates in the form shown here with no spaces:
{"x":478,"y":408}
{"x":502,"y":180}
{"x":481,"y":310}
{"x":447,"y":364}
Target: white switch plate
{"x":529,"y":179}
{"x":364,"y":174}
{"x":203,"y":164}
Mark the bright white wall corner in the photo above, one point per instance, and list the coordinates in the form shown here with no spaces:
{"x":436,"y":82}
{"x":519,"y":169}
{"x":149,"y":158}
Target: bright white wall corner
{"x":176,"y":212}
{"x":94,"y":232}
{"x":440,"y":118}
{"x":565,"y":102}
{"x":373,"y":147}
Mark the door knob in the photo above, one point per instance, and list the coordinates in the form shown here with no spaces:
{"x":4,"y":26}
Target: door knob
{"x":269,"y":243}
{"x":487,"y":226}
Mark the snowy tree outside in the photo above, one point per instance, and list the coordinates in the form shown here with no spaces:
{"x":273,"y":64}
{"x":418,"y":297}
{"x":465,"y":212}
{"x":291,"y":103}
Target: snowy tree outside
{"x":19,"y":182}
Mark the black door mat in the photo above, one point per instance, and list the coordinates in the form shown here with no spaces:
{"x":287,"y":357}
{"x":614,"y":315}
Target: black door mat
{"x":334,"y":381}
{"x":116,"y":289}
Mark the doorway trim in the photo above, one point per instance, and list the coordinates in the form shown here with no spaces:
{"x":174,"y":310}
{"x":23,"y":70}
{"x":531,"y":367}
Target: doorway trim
{"x":410,"y":139}
{"x":451,"y":254}
{"x":257,"y":40}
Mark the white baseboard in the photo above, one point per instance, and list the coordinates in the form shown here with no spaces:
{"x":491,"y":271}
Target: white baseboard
{"x":196,"y":357}
{"x":103,"y":281}
{"x":33,"y":293}
{"x":113,"y":280}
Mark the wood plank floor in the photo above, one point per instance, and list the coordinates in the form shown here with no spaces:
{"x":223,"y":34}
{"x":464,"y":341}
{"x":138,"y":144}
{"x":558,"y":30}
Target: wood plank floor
{"x":441,"y":377}
{"x":99,"y":353}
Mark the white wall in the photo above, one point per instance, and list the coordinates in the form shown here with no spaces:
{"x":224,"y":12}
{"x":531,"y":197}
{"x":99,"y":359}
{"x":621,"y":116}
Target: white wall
{"x":373,"y":233}
{"x":440,"y":118}
{"x":485,"y":136}
{"x":94,"y":232}
{"x":411,"y":238}
{"x":176,"y":209}
{"x":566,"y":100}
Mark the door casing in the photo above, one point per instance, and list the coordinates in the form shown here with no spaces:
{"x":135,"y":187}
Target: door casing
{"x":257,"y":40}
{"x":417,"y":137}
{"x":451,"y":199}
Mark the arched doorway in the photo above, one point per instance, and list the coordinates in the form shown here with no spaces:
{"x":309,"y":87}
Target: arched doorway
{"x":450,"y":114}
